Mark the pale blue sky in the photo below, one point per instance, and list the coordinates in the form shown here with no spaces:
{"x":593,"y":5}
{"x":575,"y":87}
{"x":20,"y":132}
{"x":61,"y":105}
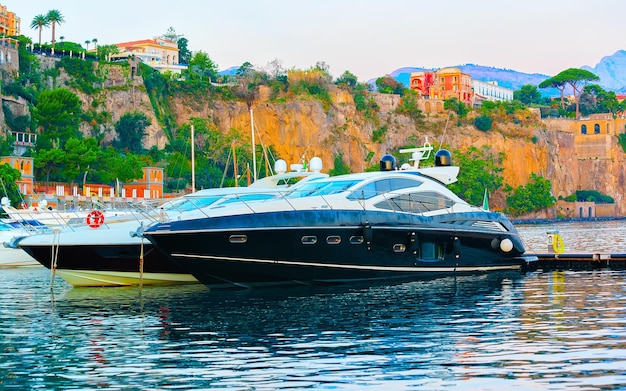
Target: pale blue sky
{"x":369,"y":38}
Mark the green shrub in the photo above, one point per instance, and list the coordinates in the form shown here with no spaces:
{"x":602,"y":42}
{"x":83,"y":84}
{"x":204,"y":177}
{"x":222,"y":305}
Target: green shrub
{"x":483,"y":123}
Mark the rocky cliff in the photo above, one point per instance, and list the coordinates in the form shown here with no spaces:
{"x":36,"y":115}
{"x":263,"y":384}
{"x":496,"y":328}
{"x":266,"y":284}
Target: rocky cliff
{"x":302,"y":128}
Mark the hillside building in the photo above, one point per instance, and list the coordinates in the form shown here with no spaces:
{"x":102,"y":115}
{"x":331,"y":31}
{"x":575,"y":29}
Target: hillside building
{"x":159,"y":53}
{"x":9,"y":22}
{"x":443,"y":84}
{"x":490,"y":90}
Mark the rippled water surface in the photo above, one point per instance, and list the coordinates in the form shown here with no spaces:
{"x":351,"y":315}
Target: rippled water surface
{"x":579,"y":237}
{"x":558,"y":330}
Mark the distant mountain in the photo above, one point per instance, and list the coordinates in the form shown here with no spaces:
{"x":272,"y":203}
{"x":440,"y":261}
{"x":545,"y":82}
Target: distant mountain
{"x":611,"y":70}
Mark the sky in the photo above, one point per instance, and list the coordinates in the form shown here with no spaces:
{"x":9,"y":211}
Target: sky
{"x":366,"y":37}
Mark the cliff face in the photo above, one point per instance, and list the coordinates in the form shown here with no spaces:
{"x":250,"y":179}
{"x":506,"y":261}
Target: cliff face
{"x":302,"y":129}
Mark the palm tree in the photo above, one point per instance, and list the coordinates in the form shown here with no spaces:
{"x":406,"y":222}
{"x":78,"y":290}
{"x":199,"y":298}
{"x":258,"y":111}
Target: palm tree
{"x":87,"y":42}
{"x":54,"y":17}
{"x":39,"y":22}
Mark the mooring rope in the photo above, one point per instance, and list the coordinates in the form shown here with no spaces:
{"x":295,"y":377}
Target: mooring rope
{"x":141,"y":264}
{"x":55,"y":255}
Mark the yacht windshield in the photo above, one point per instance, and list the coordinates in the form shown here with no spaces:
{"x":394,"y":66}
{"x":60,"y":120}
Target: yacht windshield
{"x":188,"y":203}
{"x":322,"y":188}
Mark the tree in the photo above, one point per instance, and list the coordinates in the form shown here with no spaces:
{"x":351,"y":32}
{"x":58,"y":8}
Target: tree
{"x":389,"y":85}
{"x":112,"y":165}
{"x":483,"y":122}
{"x":39,"y":22}
{"x":348,"y":79}
{"x":601,"y":101}
{"x":454,"y":104}
{"x":171,"y":35}
{"x":184,"y":54}
{"x":339,"y":166}
{"x":79,"y":155}
{"x":558,"y":84}
{"x":480,"y":171}
{"x":87,"y":42}
{"x":527,"y":94}
{"x":54,"y":17}
{"x":202,"y":66}
{"x":8,"y":176}
{"x":575,"y":78}
{"x":536,"y":195}
{"x":58,"y":113}
{"x":131,"y":129}
{"x":104,"y":51}
{"x":49,"y":162}
{"x":7,"y":145}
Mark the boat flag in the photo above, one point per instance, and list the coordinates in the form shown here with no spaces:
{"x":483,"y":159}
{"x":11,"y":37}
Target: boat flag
{"x":486,"y":201}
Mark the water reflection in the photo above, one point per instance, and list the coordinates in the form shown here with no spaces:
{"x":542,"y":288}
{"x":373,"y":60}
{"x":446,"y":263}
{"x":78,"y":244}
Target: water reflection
{"x":493,"y":331}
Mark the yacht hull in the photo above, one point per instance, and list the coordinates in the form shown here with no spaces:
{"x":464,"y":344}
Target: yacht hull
{"x":325,"y":247}
{"x":109,"y":265}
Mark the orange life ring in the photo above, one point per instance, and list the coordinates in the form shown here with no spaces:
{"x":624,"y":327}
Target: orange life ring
{"x":95,"y":219}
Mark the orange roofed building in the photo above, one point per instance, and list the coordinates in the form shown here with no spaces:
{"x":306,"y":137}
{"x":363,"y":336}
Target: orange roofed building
{"x":9,"y":22}
{"x":159,"y":53}
{"x":442,"y":84}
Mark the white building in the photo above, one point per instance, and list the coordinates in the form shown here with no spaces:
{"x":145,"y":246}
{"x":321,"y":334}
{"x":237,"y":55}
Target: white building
{"x":490,"y":90}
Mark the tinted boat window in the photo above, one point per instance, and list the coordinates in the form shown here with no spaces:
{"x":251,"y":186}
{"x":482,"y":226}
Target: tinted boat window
{"x":321,"y":188}
{"x":248,"y":197}
{"x":418,"y":202}
{"x":382,"y":186}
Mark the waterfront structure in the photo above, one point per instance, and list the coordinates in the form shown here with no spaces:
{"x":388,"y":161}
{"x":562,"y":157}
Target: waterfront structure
{"x":159,"y":53}
{"x":443,"y":84}
{"x":149,"y":186}
{"x":59,"y":194}
{"x":9,"y":22}
{"x":490,"y":90}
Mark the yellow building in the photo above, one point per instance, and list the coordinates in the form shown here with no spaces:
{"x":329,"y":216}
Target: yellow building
{"x":9,"y":22}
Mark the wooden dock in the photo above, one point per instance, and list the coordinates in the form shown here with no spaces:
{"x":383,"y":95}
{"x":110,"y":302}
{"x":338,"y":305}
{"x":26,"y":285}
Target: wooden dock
{"x":576,"y":262}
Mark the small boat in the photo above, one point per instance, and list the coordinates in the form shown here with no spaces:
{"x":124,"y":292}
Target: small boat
{"x":397,"y":223}
{"x":55,"y":218}
{"x":115,"y":253}
{"x":10,"y":256}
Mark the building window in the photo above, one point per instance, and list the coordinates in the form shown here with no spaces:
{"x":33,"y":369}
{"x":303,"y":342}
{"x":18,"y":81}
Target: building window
{"x":596,"y":129}
{"x":583,"y":129}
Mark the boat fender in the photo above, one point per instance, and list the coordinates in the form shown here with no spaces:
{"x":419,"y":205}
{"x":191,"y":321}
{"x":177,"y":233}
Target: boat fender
{"x":414,"y":243}
{"x":557,"y":244}
{"x":368,"y":233}
{"x":456,"y":246}
{"x":506,"y":245}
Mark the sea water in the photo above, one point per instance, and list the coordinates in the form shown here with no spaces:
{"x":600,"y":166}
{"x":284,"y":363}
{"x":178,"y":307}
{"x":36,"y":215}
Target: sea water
{"x":556,"y":330}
